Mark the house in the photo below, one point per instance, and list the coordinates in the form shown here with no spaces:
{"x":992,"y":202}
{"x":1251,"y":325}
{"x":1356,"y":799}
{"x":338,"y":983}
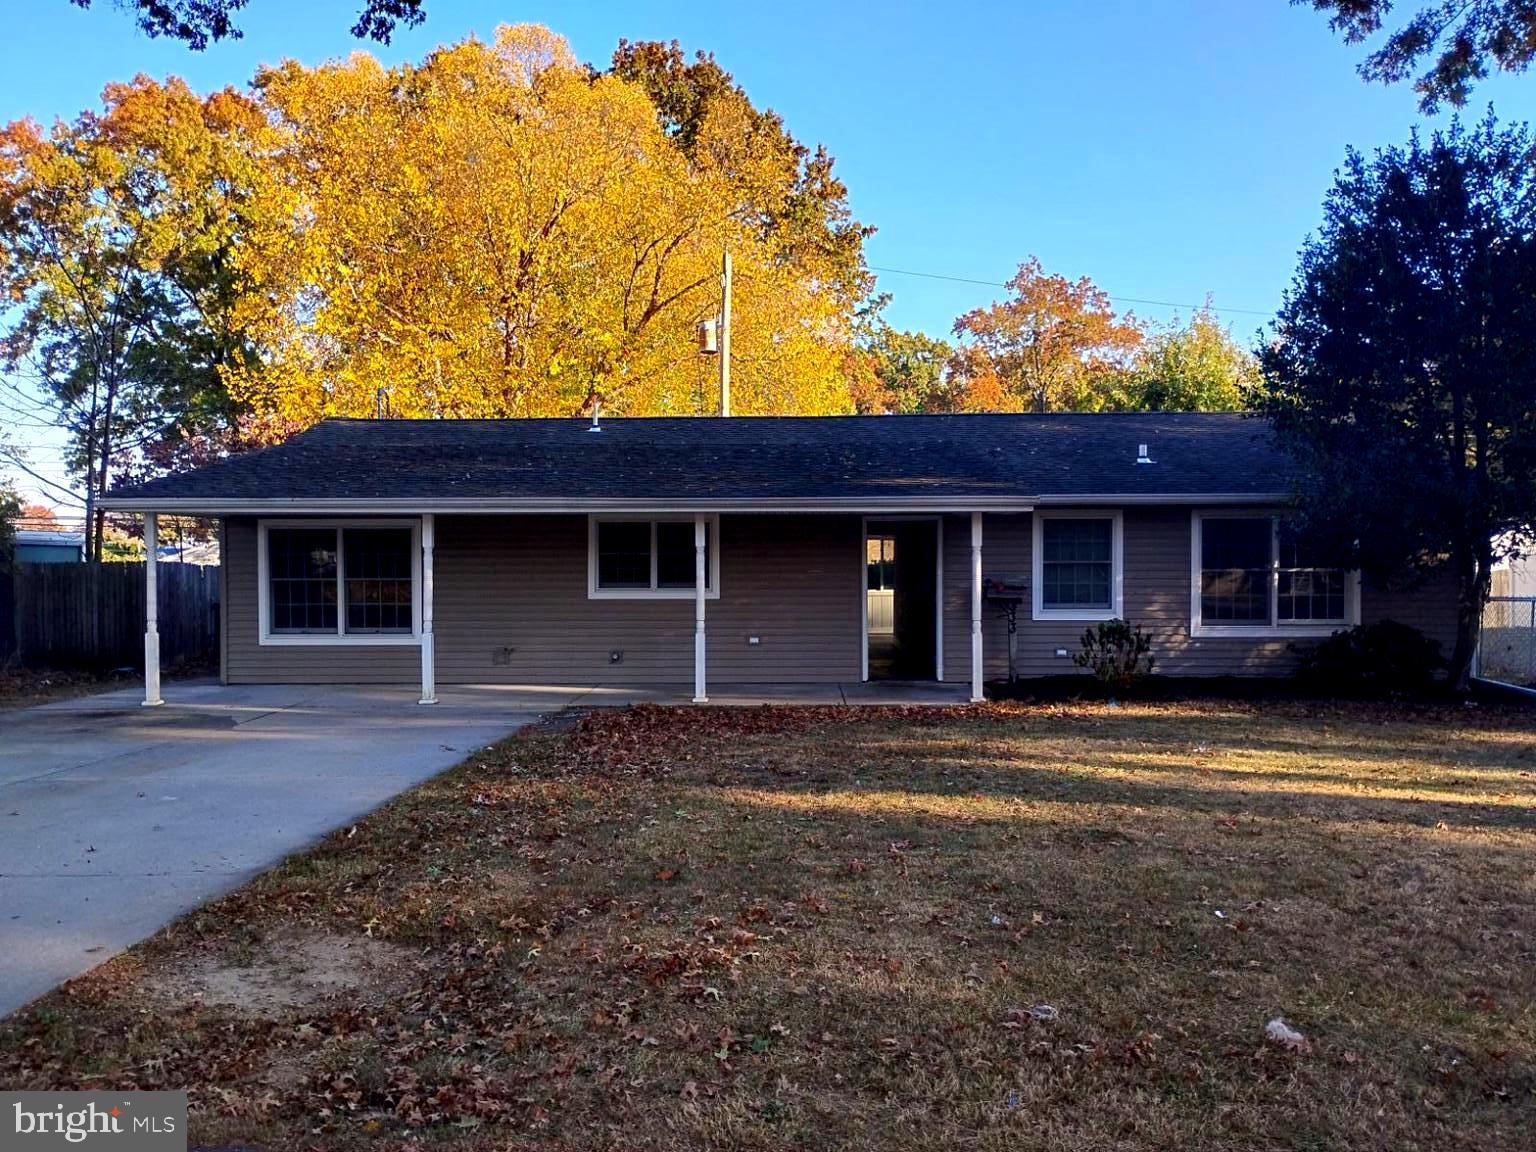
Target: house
{"x":40,"y":547}
{"x":759,"y":549}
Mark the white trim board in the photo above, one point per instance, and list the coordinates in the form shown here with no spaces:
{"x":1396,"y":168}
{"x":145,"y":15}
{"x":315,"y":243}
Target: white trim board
{"x":874,"y":505}
{"x":546,"y":505}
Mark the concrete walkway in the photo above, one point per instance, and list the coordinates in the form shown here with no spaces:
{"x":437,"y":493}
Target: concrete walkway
{"x":115,"y":819}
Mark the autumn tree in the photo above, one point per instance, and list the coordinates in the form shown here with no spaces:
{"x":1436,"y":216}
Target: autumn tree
{"x":38,"y":516}
{"x":116,"y":241}
{"x":1054,"y":345}
{"x":1196,"y":367}
{"x":1401,"y":366}
{"x":497,"y":231}
{"x":1461,"y":39}
{"x":198,"y":23}
{"x":907,"y":371}
{"x":790,"y":194}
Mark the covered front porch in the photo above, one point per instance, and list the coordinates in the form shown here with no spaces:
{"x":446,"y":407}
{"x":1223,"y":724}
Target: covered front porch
{"x":704,"y":607}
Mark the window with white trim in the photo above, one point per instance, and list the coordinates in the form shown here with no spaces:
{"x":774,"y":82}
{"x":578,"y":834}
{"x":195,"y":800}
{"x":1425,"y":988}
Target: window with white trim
{"x":651,"y":557}
{"x":333,"y":583}
{"x":1252,"y":575}
{"x":1078,"y":565}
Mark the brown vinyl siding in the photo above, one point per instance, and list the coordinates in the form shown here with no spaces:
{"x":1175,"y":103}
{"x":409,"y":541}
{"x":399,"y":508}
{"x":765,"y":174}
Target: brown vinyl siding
{"x":1157,"y":583}
{"x":512,"y":607}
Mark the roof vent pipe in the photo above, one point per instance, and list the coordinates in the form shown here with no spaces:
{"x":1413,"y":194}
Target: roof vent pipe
{"x":1141,"y":455}
{"x":597,"y":415}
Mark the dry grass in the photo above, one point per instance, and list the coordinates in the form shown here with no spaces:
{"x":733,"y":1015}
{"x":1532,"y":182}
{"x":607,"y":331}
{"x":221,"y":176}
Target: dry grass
{"x":827,"y":928}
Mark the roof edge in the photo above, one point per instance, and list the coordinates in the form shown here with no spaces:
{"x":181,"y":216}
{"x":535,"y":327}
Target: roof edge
{"x":198,"y":506}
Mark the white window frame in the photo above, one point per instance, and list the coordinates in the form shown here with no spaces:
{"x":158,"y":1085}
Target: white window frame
{"x":1116,"y":609}
{"x":1276,"y":627}
{"x":653,"y":592}
{"x":341,"y":637}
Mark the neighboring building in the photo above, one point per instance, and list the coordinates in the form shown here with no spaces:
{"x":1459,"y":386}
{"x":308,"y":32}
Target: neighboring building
{"x":204,"y":553}
{"x":37,"y":547}
{"x":652,"y":551}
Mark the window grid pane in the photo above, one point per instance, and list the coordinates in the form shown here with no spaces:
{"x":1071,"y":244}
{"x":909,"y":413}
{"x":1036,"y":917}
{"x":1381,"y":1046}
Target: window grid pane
{"x":624,"y":554}
{"x":301,"y":572}
{"x":675,"y":554}
{"x":1308,"y":593}
{"x":1077,"y":563}
{"x":378,"y":578}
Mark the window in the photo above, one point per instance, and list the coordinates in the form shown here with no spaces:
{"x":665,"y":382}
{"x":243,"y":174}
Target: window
{"x":880,"y":563}
{"x":301,"y":568}
{"x":649,"y":558}
{"x":1234,"y":570}
{"x":1077,"y":566}
{"x":1252,"y":576}
{"x":329,"y":583}
{"x":378,"y":567}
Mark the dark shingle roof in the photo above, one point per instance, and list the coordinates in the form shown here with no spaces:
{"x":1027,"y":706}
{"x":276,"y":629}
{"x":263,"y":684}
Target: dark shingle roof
{"x":794,"y":459}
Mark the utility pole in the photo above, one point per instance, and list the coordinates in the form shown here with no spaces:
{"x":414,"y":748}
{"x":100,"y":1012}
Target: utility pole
{"x":725,"y":334}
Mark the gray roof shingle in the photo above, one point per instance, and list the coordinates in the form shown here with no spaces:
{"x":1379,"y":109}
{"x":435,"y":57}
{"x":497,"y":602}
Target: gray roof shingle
{"x":794,"y":459}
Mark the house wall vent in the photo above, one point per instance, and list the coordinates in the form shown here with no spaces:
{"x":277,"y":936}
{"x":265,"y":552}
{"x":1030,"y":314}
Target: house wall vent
{"x":1142,"y":455}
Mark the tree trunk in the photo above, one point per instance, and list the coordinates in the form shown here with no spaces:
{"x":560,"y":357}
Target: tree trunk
{"x":1473,"y":577}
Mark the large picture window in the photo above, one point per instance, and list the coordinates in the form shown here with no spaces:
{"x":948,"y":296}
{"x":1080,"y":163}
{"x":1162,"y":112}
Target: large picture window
{"x":1252,"y":576}
{"x":329,"y":583}
{"x":1077,"y":565}
{"x":631,"y":558}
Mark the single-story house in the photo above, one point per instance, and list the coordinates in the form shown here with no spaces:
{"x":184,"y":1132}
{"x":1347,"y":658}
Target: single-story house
{"x":37,"y":546}
{"x":768,"y":550}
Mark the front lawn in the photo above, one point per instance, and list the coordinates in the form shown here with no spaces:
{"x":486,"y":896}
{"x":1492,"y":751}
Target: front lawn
{"x":1001,"y":927}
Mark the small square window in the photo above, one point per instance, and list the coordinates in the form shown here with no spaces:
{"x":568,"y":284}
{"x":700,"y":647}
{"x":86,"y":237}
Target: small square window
{"x":649,"y":556}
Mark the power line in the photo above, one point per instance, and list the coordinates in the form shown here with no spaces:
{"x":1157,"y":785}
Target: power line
{"x":1119,"y":299}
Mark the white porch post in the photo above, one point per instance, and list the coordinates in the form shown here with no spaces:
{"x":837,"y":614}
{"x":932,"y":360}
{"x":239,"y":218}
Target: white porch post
{"x":977,"y":681}
{"x":151,"y":611}
{"x":700,"y":531}
{"x":428,"y":639}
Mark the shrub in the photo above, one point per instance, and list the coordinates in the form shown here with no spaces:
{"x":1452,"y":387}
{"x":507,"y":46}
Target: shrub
{"x":1376,"y":659}
{"x":1117,"y":653}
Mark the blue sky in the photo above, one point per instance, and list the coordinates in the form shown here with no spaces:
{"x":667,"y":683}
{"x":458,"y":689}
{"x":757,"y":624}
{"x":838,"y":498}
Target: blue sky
{"x":1168,"y":149}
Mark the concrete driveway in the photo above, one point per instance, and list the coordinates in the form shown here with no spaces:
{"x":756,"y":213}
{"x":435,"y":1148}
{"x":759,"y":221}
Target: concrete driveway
{"x":115,"y":819}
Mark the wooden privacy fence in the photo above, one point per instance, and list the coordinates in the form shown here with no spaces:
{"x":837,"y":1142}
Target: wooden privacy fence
{"x":92,"y":615}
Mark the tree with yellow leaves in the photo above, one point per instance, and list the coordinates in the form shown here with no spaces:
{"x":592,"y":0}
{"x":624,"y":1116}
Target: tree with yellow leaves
{"x":498,"y":231}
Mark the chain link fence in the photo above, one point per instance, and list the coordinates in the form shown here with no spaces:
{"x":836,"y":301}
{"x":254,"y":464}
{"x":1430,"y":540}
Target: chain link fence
{"x":1508,"y":649}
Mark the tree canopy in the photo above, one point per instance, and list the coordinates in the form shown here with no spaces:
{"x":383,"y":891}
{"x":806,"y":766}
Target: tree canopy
{"x":1054,"y":345}
{"x":199,"y":23}
{"x":1401,"y":365}
{"x":496,"y":231}
{"x":1461,"y":39}
{"x":1196,"y":367}
{"x":117,"y":254}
